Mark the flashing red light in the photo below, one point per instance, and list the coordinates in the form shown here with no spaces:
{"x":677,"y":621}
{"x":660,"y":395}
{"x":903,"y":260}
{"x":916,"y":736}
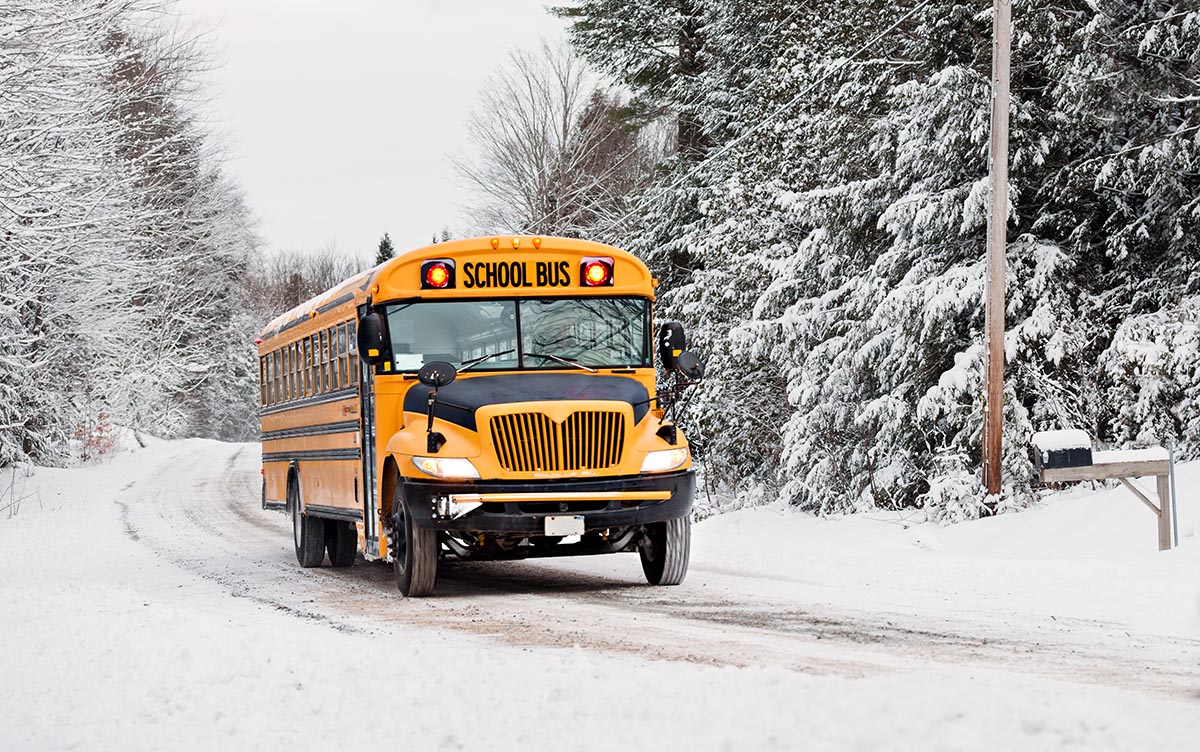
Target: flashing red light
{"x":437,"y":275}
{"x":597,"y":272}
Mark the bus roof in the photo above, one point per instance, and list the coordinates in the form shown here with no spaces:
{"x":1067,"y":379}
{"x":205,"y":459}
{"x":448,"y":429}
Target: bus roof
{"x":399,"y":277}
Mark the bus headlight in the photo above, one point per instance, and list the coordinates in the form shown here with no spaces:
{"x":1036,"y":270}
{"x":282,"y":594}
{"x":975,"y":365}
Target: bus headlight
{"x":447,"y":467}
{"x":663,"y":460}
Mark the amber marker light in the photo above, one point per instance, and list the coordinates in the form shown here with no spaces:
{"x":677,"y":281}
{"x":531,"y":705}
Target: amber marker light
{"x":516,"y":243}
{"x":495,"y":243}
{"x":596,"y":271}
{"x":537,"y":243}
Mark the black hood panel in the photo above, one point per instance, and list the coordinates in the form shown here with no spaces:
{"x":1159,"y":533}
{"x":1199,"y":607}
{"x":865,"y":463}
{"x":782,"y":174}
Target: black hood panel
{"x":458,"y":402}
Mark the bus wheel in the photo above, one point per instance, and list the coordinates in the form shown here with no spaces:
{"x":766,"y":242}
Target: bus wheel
{"x":665,"y":550}
{"x":414,"y":552}
{"x":341,"y":540}
{"x":308,"y":532}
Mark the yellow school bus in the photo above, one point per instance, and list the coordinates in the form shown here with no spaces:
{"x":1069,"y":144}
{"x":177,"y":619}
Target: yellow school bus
{"x":489,"y":398}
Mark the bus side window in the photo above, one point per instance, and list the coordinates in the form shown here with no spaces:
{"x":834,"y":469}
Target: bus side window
{"x":314,"y":345}
{"x":292,"y":360}
{"x":318,"y":386}
{"x":303,"y":383}
{"x":330,"y":357}
{"x":352,"y":349}
{"x":327,"y":337}
{"x":262,"y":382}
{"x":285,"y":380}
{"x":314,"y":362}
{"x":334,"y":382}
{"x":324,"y":360}
{"x":301,"y":368}
{"x":341,"y":353}
{"x":305,"y":367}
{"x":275,"y":356}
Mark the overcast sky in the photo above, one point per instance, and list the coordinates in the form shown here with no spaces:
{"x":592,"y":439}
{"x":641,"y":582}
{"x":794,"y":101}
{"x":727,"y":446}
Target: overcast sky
{"x":341,"y":114}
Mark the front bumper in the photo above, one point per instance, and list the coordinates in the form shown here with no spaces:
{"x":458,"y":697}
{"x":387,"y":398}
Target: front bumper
{"x":522,"y":507}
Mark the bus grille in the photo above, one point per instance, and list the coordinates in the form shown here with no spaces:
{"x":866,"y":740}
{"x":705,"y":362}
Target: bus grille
{"x":531,"y":442}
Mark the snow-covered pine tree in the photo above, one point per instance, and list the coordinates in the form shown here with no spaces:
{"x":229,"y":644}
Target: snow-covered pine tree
{"x":655,"y":48}
{"x":386,"y":250}
{"x":857,"y":215}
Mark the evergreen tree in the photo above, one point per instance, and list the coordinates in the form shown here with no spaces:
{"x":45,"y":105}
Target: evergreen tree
{"x":386,"y":250}
{"x":832,"y":265}
{"x":122,"y":257}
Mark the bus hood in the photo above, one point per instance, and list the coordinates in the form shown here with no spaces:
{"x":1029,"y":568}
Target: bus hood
{"x":457,"y":402}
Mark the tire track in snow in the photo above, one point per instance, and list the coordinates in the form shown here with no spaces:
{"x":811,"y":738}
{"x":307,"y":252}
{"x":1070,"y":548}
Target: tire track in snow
{"x":218,"y":531}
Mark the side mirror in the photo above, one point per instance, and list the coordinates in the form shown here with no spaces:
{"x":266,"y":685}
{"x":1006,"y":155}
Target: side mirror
{"x":671,"y":341}
{"x":437,"y":374}
{"x":688,"y":363}
{"x":372,"y":338}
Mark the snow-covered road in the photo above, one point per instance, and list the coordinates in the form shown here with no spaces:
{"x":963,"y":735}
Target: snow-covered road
{"x":150,"y":601}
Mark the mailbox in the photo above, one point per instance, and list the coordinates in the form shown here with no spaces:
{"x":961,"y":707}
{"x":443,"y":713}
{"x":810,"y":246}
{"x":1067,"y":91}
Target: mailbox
{"x":1056,"y":449}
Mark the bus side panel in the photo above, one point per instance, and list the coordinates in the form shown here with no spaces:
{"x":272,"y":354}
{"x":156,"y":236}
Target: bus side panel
{"x":323,"y":439}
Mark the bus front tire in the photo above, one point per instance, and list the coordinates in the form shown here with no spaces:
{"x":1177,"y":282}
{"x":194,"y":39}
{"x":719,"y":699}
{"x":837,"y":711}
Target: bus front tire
{"x":341,"y":540}
{"x":665,"y":551}
{"x":414,"y":552}
{"x":308,"y":533}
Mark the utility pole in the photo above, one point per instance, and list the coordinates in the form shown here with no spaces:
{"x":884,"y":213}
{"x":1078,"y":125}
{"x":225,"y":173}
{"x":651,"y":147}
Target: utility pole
{"x":997,"y":243}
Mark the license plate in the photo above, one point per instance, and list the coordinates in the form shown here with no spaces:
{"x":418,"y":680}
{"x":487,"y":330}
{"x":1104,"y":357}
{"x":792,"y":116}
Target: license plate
{"x":564,"y":525}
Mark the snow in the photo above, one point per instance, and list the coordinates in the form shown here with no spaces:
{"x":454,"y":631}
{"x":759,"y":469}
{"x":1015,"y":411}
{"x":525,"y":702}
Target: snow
{"x":149,"y":603}
{"x":1113,"y":456}
{"x":1053,"y":441}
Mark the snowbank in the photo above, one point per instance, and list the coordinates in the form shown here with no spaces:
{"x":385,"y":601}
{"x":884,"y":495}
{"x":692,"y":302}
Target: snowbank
{"x":111,"y":644}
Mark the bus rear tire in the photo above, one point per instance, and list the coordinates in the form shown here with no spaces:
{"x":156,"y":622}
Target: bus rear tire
{"x":414,"y":553}
{"x":308,"y":533}
{"x":665,"y":551}
{"x":341,"y":540}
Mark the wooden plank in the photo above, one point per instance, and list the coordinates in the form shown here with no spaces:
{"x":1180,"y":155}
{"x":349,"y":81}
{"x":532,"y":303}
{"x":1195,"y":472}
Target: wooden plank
{"x":1108,"y":470}
{"x":1164,"y":513}
{"x":1138,"y":493}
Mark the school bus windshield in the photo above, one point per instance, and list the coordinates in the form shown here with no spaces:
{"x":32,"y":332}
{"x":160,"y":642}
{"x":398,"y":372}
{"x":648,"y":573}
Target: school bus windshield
{"x":529,"y":334}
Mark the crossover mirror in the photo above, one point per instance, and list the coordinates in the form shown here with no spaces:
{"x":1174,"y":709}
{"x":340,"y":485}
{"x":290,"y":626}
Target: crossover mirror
{"x":688,"y":364}
{"x":437,"y":374}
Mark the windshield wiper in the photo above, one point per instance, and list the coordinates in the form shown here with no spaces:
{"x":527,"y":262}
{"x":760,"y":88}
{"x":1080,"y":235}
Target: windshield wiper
{"x":564,"y":361}
{"x":472,"y":363}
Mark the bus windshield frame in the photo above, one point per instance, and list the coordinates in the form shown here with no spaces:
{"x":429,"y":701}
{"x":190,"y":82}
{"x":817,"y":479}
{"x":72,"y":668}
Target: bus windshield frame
{"x":599,"y":332}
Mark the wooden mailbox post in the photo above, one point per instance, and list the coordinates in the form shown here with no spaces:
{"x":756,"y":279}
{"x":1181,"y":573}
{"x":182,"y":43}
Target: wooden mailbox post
{"x":1124,"y":466}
